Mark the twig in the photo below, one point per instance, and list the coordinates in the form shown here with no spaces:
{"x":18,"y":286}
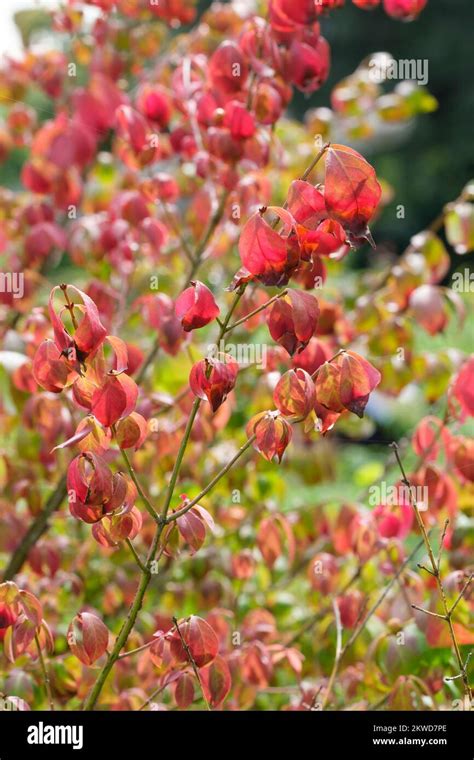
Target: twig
{"x":363,"y":622}
{"x":47,"y":682}
{"x":152,"y":696}
{"x":337,"y":658}
{"x":256,"y":311}
{"x":135,"y":554}
{"x":428,"y":612}
{"x":435,"y":566}
{"x":461,"y":594}
{"x":311,"y":622}
{"x":146,"y":501}
{"x":180,"y":512}
{"x":136,"y":650}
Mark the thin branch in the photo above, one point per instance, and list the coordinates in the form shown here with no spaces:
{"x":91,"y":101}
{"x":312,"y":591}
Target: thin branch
{"x":135,"y":554}
{"x":180,"y":512}
{"x":461,"y":594}
{"x":436,"y":572}
{"x":136,"y":650}
{"x":333,"y":358}
{"x":149,"y":359}
{"x":311,"y":622}
{"x":256,"y":311}
{"x":363,"y":622}
{"x":428,"y":612}
{"x":337,"y":658}
{"x":441,"y":545}
{"x":152,"y":696}
{"x":146,"y":502}
{"x":172,"y":223}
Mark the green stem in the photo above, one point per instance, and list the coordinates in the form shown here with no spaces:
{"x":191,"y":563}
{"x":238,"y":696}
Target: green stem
{"x":147,"y":504}
{"x":135,"y":554}
{"x":44,"y":671}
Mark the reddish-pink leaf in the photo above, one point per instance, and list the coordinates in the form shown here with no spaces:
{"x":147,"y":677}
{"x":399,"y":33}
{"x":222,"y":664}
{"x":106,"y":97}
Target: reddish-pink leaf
{"x":328,"y":387}
{"x":463,"y":387}
{"x":294,"y":393}
{"x":90,"y":332}
{"x":358,"y":379}
{"x":196,"y":306}
{"x":273,"y":434}
{"x":131,"y":431}
{"x":51,"y":370}
{"x":262,"y":250}
{"x":306,"y":203}
{"x":192,"y":529}
{"x":184,"y":691}
{"x":351,"y":190}
{"x":406,"y":10}
{"x":213,"y":379}
{"x":200,"y":639}
{"x":216,"y":681}
{"x":115,"y":399}
{"x":87,"y":637}
{"x":292,"y":320}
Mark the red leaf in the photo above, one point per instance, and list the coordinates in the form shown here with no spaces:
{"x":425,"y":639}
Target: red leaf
{"x":184,"y":691}
{"x":294,"y":393}
{"x":292,"y":320}
{"x":131,"y":431}
{"x":350,"y":608}
{"x":429,"y":308}
{"x":351,"y":189}
{"x":264,"y":252}
{"x":200,"y":639}
{"x":90,"y":332}
{"x":429,"y":432}
{"x":328,"y":387}
{"x":358,"y":380}
{"x":116,"y":399}
{"x":78,"y":436}
{"x":273,"y":434}
{"x":216,"y":681}
{"x":306,"y":203}
{"x":406,"y":10}
{"x":271,"y":532}
{"x":192,"y":529}
{"x":51,"y":370}
{"x":463,"y":387}
{"x":196,"y":307}
{"x":87,"y":637}
{"x":308,"y":64}
{"x":227,"y":68}
{"x":213,"y":379}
